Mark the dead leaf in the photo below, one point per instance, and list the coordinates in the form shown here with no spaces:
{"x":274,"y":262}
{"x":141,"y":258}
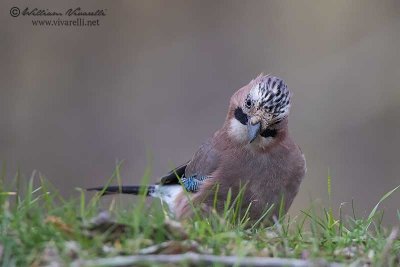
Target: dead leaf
{"x":59,"y":224}
{"x":103,"y":223}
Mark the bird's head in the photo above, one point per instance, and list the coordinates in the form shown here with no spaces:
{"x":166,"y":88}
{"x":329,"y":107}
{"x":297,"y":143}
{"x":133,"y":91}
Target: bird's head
{"x":258,"y":108}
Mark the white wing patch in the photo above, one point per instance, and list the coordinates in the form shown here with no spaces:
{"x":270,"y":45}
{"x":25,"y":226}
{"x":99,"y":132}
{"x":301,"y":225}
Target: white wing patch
{"x":167,"y":194}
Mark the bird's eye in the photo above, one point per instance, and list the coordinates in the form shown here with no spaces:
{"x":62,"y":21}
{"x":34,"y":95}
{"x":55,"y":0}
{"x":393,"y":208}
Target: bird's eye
{"x":248,"y":103}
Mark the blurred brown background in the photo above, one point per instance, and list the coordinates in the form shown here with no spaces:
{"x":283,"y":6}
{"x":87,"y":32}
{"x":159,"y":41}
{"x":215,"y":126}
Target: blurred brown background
{"x":156,"y":76}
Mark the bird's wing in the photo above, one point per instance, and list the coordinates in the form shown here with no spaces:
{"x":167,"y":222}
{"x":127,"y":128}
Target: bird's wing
{"x":172,"y":176}
{"x":205,"y":160}
{"x":193,"y":172}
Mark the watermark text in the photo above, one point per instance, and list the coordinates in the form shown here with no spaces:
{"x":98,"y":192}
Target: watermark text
{"x":75,"y":17}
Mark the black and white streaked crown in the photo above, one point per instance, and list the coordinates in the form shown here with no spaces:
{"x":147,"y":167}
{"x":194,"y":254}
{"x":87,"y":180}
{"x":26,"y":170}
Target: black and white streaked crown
{"x":271,"y":94}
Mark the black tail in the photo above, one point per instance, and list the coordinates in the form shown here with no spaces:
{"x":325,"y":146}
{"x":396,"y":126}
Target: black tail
{"x":125,"y":189}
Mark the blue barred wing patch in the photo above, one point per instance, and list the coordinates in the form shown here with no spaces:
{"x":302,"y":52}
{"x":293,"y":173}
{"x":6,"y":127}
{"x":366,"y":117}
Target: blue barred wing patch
{"x":192,"y":183}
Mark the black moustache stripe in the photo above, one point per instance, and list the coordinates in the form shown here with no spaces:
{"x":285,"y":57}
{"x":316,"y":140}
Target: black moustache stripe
{"x":240,"y":116}
{"x":269,"y":133}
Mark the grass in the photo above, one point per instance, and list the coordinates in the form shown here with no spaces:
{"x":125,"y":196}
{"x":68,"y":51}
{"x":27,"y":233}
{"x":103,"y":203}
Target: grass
{"x":39,"y":227}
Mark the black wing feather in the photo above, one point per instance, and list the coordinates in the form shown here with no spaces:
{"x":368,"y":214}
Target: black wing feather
{"x":171,"y":177}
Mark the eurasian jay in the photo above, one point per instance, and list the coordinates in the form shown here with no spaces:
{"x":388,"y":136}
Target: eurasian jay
{"x":252,"y":149}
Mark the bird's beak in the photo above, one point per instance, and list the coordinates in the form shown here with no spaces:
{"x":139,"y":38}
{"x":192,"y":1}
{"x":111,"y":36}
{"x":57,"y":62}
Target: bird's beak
{"x":253,"y":130}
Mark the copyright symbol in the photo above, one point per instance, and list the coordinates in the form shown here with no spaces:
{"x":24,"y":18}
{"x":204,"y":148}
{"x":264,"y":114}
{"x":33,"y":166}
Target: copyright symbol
{"x":14,"y":12}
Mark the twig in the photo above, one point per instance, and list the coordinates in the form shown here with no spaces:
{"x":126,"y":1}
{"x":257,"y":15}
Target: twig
{"x":196,"y":259}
